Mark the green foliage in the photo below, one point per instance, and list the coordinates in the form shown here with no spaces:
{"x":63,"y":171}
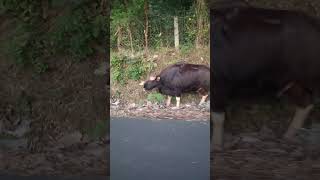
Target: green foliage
{"x":136,"y":70}
{"x":130,"y":15}
{"x":75,"y":32}
{"x":188,"y":29}
{"x":184,"y":49}
{"x":98,"y":131}
{"x":117,"y":69}
{"x":126,"y":16}
{"x":117,"y":94}
{"x":27,"y":47}
{"x":24,"y":10}
{"x":72,"y":34}
{"x":124,"y":68}
{"x":155,"y":98}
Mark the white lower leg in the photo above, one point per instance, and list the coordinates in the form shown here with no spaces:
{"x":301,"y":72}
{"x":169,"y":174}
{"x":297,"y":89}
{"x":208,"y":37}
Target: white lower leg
{"x":203,"y":99}
{"x":178,"y":102}
{"x":168,"y":101}
{"x":300,"y":116}
{"x":218,"y":126}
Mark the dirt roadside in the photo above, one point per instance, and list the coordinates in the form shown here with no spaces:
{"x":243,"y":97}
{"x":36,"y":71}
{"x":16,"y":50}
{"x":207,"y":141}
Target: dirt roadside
{"x":254,"y":149}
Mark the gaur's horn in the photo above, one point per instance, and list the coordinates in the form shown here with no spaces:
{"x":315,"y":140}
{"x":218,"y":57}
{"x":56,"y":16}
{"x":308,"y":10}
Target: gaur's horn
{"x":142,"y":83}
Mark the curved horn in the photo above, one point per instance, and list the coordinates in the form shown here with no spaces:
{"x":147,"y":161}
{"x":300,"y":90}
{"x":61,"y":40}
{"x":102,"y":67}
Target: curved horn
{"x":142,"y":83}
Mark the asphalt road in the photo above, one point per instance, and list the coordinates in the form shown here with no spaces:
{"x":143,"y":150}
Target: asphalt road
{"x":147,"y":149}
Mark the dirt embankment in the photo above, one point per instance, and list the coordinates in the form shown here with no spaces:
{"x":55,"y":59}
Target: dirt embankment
{"x":39,"y":111}
{"x":254,"y":148}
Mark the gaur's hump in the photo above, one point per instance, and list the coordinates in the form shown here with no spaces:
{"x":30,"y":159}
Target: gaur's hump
{"x":176,"y":65}
{"x":181,"y":62}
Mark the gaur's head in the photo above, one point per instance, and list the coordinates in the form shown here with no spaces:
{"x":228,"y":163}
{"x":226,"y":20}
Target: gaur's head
{"x":150,"y":84}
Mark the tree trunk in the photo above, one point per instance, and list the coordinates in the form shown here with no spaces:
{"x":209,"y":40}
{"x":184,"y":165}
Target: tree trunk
{"x":146,"y":26}
{"x":128,"y":28}
{"x":104,"y":7}
{"x":200,"y":9}
{"x":176,"y":33}
{"x":45,"y":8}
{"x":119,"y":34}
{"x":199,"y":32}
{"x":130,"y":39}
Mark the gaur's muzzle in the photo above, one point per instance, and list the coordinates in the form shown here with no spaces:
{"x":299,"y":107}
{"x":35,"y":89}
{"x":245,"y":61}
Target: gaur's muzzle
{"x":152,"y":78}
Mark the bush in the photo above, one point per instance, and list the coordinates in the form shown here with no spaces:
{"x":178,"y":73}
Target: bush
{"x":124,"y":68}
{"x":135,"y":71}
{"x":73,"y":33}
{"x":185,"y":49}
{"x":155,"y":97}
{"x":117,"y":69}
{"x":98,"y":131}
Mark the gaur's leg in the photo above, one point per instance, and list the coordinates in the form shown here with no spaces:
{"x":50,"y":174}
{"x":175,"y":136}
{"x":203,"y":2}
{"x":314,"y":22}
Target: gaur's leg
{"x":203,"y":99}
{"x":177,"y":93}
{"x":168,"y":101}
{"x":218,"y":102}
{"x":298,"y":120}
{"x":303,"y":100}
{"x":217,"y":119}
{"x":178,"y":102}
{"x":204,"y":94}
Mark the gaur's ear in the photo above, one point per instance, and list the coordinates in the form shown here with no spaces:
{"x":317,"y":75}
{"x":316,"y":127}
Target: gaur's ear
{"x":152,"y":78}
{"x":158,"y":78}
{"x":142,"y":83}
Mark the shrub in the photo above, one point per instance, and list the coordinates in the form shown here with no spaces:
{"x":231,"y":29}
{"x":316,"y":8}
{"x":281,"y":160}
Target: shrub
{"x":155,"y":97}
{"x":124,"y":68}
{"x":75,"y":32}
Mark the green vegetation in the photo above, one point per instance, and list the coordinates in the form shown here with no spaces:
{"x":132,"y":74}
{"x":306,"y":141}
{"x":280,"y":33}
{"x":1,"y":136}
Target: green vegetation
{"x":143,"y":42}
{"x":98,"y":131}
{"x":138,"y":24}
{"x":126,"y":67}
{"x":155,"y":98}
{"x":43,"y":29}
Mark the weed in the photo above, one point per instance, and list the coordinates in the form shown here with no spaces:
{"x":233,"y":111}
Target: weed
{"x":136,"y":71}
{"x":124,"y":67}
{"x":117,"y":69}
{"x":185,"y":49}
{"x":155,"y":98}
{"x":98,"y":131}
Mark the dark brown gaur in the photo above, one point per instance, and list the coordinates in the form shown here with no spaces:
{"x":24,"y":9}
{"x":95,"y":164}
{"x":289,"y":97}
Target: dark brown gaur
{"x":181,"y":78}
{"x":277,"y":49}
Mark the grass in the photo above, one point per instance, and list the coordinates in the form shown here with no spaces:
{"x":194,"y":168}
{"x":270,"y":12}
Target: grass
{"x":7,"y":136}
{"x":98,"y":131}
{"x":155,"y":98}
